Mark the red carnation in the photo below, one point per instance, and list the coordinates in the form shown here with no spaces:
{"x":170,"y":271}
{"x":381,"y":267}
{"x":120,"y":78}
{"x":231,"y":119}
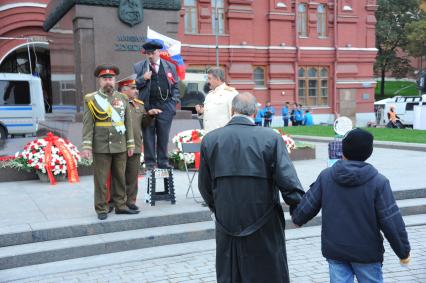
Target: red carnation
{"x":57,"y":162}
{"x":30,"y":161}
{"x":34,"y":152}
{"x":60,"y":153}
{"x":37,"y":167}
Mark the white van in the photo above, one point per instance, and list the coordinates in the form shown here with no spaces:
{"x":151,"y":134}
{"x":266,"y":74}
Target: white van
{"x":404,"y":108}
{"x":21,"y":104}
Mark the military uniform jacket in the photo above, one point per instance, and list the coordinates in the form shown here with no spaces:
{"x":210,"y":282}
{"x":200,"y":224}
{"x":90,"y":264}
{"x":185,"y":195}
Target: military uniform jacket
{"x":217,"y":107}
{"x":99,"y":132}
{"x":140,"y":119}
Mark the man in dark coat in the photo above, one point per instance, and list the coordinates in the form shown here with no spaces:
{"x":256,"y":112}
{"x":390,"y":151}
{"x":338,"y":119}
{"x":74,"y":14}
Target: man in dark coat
{"x":243,"y":168}
{"x":157,"y":82}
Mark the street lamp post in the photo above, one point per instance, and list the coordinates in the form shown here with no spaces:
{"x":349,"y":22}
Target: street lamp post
{"x":216,"y":24}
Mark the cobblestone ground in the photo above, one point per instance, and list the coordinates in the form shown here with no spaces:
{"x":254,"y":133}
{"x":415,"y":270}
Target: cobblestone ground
{"x":306,"y":264}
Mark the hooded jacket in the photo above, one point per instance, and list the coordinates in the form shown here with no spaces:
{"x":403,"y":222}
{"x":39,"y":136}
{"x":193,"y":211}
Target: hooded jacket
{"x":357,"y":203}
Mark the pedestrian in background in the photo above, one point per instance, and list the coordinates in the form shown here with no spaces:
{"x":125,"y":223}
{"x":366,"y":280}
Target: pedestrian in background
{"x":308,"y":120}
{"x":298,"y":115}
{"x":216,"y":111}
{"x":259,"y":115}
{"x":285,"y":113}
{"x":268,"y":114}
{"x":356,"y":204}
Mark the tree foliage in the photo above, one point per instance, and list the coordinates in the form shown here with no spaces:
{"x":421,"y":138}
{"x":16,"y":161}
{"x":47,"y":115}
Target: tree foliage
{"x":393,"y":17}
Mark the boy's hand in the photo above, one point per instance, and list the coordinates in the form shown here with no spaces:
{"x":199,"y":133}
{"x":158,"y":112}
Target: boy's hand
{"x":405,"y":261}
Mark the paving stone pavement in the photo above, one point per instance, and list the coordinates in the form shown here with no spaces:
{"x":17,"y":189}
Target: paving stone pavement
{"x":306,"y":264}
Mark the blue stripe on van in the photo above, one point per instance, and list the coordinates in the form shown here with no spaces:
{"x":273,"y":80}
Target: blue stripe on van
{"x":18,"y":125}
{"x":15,"y":108}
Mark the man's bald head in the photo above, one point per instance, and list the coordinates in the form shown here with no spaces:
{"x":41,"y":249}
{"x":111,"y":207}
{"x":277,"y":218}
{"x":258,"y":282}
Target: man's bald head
{"x":244,"y":104}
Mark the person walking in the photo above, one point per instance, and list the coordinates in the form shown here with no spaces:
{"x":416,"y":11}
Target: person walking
{"x":357,"y":205}
{"x":285,"y":113}
{"x":243,"y":169}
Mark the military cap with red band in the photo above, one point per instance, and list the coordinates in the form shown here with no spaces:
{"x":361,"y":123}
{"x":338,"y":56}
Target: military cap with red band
{"x":106,"y":71}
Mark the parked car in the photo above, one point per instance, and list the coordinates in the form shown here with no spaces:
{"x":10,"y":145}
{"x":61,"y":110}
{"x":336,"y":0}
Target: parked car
{"x":21,"y":104}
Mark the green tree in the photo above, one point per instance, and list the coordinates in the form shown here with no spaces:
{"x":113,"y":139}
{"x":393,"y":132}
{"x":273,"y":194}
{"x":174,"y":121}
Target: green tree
{"x":416,"y":37}
{"x":392,"y":18}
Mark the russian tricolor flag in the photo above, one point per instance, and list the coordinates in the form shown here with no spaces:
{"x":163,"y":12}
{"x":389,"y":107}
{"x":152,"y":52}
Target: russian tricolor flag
{"x":170,"y":52}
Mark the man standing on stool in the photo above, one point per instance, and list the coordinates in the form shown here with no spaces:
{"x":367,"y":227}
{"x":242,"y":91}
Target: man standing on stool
{"x":108,"y":133}
{"x":157,"y":83}
{"x":140,"y":119}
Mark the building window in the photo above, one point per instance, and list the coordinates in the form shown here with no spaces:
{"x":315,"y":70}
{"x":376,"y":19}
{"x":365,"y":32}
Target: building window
{"x":313,"y":86}
{"x":322,"y":21}
{"x":191,"y":16}
{"x":302,"y":20}
{"x":14,"y":93}
{"x":259,"y":76}
{"x":219,"y":22}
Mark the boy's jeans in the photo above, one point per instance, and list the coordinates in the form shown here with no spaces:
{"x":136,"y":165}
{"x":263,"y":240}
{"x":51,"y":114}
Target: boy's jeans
{"x":343,"y":272}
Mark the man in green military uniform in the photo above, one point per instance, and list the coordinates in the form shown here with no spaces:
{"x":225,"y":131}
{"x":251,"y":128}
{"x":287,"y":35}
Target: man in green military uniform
{"x":108,"y":134}
{"x":140,"y":119}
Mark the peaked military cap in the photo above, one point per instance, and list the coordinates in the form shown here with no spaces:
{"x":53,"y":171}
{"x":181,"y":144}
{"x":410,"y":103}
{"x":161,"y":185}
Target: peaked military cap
{"x":127,"y":81}
{"x":106,"y":71}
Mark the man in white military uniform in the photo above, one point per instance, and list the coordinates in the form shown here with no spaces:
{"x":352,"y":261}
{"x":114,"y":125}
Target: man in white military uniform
{"x":218,"y":103}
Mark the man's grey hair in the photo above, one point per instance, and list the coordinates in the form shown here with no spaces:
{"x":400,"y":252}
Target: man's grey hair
{"x":244,"y":103}
{"x":217,"y":73}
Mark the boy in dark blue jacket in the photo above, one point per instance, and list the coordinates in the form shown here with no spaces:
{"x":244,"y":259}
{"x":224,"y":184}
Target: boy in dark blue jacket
{"x":357,"y":203}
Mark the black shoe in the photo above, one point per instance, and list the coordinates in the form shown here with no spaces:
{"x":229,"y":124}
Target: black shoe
{"x":126,"y":211}
{"x":133,"y":206}
{"x":111,"y":208}
{"x":102,"y":216}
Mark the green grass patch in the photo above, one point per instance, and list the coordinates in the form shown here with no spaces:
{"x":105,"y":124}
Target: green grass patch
{"x":394,"y":88}
{"x":380,"y":134}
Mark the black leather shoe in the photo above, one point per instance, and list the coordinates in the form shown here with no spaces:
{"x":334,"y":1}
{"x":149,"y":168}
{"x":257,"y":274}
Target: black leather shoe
{"x":102,"y":216}
{"x":133,"y":206}
{"x":126,"y":211}
{"x":111,"y":208}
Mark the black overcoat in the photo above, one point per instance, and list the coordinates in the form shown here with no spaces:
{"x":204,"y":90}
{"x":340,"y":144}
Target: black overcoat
{"x":243,"y":168}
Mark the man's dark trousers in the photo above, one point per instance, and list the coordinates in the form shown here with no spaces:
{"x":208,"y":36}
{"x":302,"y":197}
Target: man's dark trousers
{"x":156,"y":135}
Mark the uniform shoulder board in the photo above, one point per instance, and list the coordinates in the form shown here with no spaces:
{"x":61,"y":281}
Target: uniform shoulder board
{"x":89,"y":95}
{"x":230,"y":88}
{"x":139,"y":101}
{"x":123,"y":95}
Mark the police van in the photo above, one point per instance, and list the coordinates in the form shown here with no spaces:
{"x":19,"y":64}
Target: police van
{"x":404,"y":108}
{"x":21,"y":104}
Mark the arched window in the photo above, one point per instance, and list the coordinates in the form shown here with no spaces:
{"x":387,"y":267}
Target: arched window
{"x":322,"y":20}
{"x":313,"y":86}
{"x":302,"y":20}
{"x":191,"y":16}
{"x":259,"y":76}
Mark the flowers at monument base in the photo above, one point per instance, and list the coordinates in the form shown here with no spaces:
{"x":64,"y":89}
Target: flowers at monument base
{"x":50,"y":155}
{"x":289,"y":142}
{"x":188,"y":136}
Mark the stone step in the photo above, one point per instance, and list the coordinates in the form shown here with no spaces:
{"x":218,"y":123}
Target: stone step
{"x":26,"y":233}
{"x":27,"y":261}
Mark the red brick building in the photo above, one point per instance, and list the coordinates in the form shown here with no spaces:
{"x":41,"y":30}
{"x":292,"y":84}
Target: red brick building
{"x":316,"y":52}
{"x":319,"y":53}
